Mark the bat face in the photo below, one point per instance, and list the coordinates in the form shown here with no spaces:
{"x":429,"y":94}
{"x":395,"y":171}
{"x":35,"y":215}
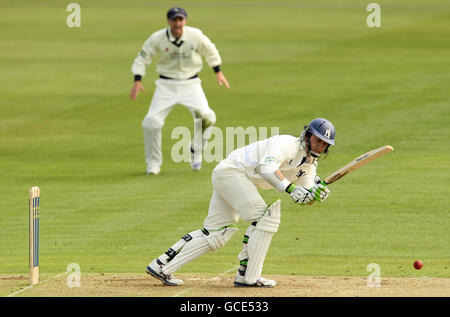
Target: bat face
{"x":357,"y":163}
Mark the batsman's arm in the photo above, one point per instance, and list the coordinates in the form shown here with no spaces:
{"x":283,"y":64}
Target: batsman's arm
{"x":274,"y":177}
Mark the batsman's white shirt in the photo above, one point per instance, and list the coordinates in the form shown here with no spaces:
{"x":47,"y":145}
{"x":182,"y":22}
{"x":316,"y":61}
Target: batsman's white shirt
{"x":235,"y":180}
{"x":179,"y":59}
{"x":282,"y":151}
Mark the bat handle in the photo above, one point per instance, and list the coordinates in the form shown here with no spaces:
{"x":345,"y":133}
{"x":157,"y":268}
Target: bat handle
{"x":322,"y":182}
{"x":317,"y":180}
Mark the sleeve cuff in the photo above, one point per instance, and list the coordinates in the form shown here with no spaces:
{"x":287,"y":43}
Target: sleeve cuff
{"x":137,"y":77}
{"x":216,"y":68}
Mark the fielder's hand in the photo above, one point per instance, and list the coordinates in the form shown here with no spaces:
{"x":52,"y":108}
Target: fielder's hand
{"x":137,"y":87}
{"x":222,"y":80}
{"x":301,"y":195}
{"x":320,"y":190}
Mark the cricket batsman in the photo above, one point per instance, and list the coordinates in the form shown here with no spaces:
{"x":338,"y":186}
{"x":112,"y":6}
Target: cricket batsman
{"x":282,"y":162}
{"x":181,"y":49}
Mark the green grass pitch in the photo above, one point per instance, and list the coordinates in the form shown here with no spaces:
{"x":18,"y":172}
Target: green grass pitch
{"x":68,"y":126}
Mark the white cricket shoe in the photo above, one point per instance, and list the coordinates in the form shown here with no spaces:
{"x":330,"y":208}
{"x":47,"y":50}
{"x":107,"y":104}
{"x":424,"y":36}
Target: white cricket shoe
{"x":239,"y":281}
{"x":152,"y":171}
{"x":196,"y":161}
{"x":196,"y":166}
{"x":155,"y":270}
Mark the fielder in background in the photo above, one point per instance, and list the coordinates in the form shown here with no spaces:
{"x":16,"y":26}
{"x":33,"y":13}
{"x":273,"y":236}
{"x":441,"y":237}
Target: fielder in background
{"x":283,"y":162}
{"x":181,"y":49}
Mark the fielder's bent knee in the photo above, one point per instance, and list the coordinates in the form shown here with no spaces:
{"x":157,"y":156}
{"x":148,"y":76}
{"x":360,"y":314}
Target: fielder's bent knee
{"x":209,"y":119}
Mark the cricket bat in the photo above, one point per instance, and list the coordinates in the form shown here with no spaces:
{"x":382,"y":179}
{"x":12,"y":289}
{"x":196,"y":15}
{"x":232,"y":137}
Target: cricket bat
{"x":357,"y":163}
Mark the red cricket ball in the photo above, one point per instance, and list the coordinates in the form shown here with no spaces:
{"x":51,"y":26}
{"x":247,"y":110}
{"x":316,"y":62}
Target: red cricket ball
{"x":418,"y":264}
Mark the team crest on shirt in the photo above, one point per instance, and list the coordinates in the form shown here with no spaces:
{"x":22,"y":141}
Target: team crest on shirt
{"x":180,"y":55}
{"x":300,"y":173}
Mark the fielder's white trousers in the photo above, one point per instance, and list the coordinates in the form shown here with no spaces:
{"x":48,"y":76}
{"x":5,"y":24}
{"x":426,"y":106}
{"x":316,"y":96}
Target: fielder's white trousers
{"x":235,"y":196}
{"x":168,"y":93}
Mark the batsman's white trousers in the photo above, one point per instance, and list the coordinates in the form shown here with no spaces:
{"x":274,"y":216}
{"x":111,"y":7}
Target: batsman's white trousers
{"x":235,"y":196}
{"x":168,"y":93}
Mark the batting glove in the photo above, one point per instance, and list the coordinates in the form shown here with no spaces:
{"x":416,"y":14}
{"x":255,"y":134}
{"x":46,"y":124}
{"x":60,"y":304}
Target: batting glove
{"x":299,"y":194}
{"x":320,"y":190}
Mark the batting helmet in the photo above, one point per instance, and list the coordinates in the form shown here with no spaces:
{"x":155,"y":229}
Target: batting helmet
{"x":321,"y":128}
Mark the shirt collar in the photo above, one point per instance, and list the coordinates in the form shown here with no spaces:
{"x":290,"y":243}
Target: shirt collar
{"x":172,"y":38}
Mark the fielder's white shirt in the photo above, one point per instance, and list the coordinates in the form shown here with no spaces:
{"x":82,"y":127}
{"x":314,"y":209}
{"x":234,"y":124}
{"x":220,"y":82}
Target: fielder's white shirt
{"x":283,"y":151}
{"x":179,"y":59}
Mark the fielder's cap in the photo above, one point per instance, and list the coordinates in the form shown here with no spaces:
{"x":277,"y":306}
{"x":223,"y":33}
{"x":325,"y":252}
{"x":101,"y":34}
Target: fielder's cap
{"x":176,"y":12}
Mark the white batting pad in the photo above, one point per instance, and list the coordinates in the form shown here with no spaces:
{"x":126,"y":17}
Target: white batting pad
{"x":199,"y":246}
{"x":259,"y":242}
{"x":191,"y":250}
{"x":243,"y":255}
{"x":218,"y":239}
